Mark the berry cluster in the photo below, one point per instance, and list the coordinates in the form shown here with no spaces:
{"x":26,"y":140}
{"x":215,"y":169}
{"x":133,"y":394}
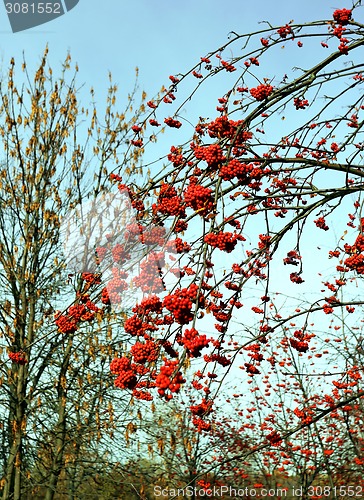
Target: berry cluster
{"x":169,"y":98}
{"x":177,"y":246}
{"x":305,"y":415}
{"x":201,"y":425}
{"x":228,"y":67}
{"x":132,"y":232}
{"x":79,"y":312}
{"x":91,"y":278}
{"x":296,"y":278}
{"x":148,"y":305}
{"x":342,"y":16}
{"x":154,"y":235}
{"x":172,"y":123}
{"x":338,"y":31}
{"x":175,"y":156}
{"x":134,"y":325}
{"x":321,"y":223}
{"x":224,"y":127}
{"x":218,"y":358}
{"x":261,"y":92}
{"x":223,"y":241}
{"x":251,"y":369}
{"x":197,"y":75}
{"x":105,"y":299}
{"x":167,"y":346}
{"x":180,"y":303}
{"x":68,"y":321}
{"x":142,"y":395}
{"x":202,"y":409}
{"x":116,"y":286}
{"x":300,"y":103}
{"x":343,"y":48}
{"x":145,"y":352}
{"x":265,"y":240}
{"x":169,"y":379}
{"x":199,"y":197}
{"x":170,"y":206}
{"x":284,"y":31}
{"x":254,"y":352}
{"x":119,"y":254}
{"x":236,"y":169}
{"x":299,"y":345}
{"x":154,"y":122}
{"x":257,"y":310}
{"x":356,"y":260}
{"x":149,"y":279}
{"x":212,"y":155}
{"x":180,"y":226}
{"x":126,"y":377}
{"x":18,"y":358}
{"x":327,"y":309}
{"x":65,"y":324}
{"x":100,"y":254}
{"x":194,"y":342}
{"x":292,"y":258}
{"x":274,"y":438}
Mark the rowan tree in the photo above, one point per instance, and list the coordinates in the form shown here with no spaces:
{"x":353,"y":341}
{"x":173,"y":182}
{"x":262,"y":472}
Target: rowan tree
{"x":257,"y":215}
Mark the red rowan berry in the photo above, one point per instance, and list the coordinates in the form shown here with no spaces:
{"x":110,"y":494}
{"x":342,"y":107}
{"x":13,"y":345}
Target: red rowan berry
{"x":172,"y":123}
{"x":18,"y":358}
{"x":261,"y":92}
{"x":199,"y":197}
{"x":342,"y":16}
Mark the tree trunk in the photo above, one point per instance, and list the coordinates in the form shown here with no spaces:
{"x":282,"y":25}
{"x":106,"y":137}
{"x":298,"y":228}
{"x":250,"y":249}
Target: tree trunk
{"x":60,"y":430}
{"x":16,"y":429}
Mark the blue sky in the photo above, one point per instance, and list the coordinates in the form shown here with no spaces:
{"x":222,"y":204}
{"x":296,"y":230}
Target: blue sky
{"x":158,"y":36}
